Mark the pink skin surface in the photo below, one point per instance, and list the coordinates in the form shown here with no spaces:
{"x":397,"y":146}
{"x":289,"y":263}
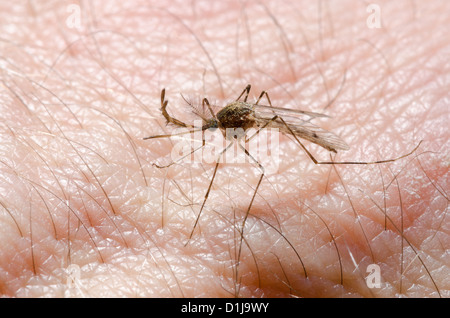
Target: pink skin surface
{"x":83,"y":212}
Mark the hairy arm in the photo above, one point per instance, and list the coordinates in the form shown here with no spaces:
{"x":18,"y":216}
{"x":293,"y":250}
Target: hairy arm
{"x":83,"y":212}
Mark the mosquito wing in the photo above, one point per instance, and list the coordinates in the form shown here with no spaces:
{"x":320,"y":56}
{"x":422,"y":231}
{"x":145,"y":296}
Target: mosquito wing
{"x":299,"y":123}
{"x":284,"y":112}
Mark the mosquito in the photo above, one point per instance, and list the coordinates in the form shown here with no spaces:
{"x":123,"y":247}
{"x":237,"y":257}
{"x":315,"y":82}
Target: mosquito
{"x":241,"y":114}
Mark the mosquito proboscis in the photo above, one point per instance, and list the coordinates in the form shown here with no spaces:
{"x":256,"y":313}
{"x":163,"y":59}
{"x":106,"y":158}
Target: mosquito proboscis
{"x":245,"y":115}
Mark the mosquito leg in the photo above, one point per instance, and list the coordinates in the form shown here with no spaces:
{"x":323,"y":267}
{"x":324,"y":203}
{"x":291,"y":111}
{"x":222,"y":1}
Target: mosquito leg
{"x":207,"y":192}
{"x":246,"y":91}
{"x":261,"y":96}
{"x":181,"y":158}
{"x":177,"y":134}
{"x":325,"y":162}
{"x":261,"y":168}
{"x":203,"y":204}
{"x":264,"y":93}
{"x":268,"y":122}
{"x":342,"y":162}
{"x":261,"y":128}
{"x":205,"y":101}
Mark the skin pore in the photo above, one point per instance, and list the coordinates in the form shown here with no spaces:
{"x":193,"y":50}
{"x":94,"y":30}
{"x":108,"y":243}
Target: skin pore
{"x":83,"y":212}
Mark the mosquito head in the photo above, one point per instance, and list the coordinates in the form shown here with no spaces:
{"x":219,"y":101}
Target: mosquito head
{"x":210,"y":124}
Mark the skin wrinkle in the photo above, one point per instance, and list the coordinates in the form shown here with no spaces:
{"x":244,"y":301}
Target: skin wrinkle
{"x":72,"y":159}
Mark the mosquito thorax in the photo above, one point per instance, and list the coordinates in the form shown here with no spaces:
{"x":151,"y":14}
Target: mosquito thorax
{"x":236,"y":115}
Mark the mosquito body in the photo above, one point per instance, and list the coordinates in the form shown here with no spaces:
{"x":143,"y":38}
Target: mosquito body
{"x":241,"y":114}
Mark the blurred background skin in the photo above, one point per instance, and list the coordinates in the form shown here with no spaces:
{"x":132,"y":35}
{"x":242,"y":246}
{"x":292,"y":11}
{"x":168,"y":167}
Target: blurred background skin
{"x":84,"y":213}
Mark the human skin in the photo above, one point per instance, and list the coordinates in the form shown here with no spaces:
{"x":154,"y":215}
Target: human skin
{"x":83,"y":212}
